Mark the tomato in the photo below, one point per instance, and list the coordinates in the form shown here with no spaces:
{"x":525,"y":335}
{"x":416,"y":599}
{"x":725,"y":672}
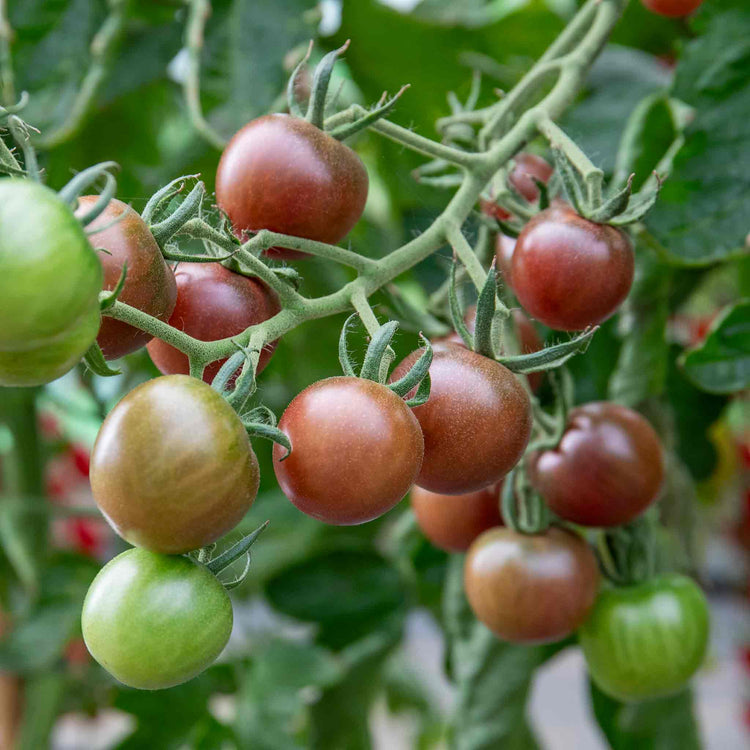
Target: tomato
{"x":531,"y":588}
{"x":476,"y":423}
{"x":172,"y":468}
{"x":356,"y":450}
{"x":527,"y":167}
{"x":50,"y":279}
{"x":607,"y":469}
{"x":494,"y":210}
{"x":504,"y":247}
{"x":154,"y":621}
{"x":647,"y":640}
{"x":568,"y":272}
{"x":149,"y":284}
{"x":284,"y":174}
{"x":453,"y":522}
{"x":214,"y":303}
{"x":672,"y":8}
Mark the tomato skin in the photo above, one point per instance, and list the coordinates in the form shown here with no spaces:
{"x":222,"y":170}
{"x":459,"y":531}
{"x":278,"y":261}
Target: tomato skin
{"x":214,"y":303}
{"x":607,"y":469}
{"x":527,"y":166}
{"x":504,"y":248}
{"x":647,"y":640}
{"x":453,"y":522}
{"x":356,"y":450}
{"x":50,"y":279}
{"x":172,"y":468}
{"x":284,"y":174}
{"x":154,"y":621}
{"x":476,"y":423}
{"x":568,"y":272}
{"x":672,"y":8}
{"x":149,"y":285}
{"x":531,"y":588}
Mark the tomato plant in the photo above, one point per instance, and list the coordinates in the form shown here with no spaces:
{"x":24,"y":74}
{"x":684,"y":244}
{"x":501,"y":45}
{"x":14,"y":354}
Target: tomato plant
{"x":172,"y":468}
{"x":476,"y":423}
{"x":356,"y":450}
{"x":214,"y":303}
{"x":554,"y":252}
{"x":284,"y":174}
{"x":50,"y":279}
{"x":154,"y":621}
{"x":531,"y":588}
{"x":646,"y":640}
{"x":607,"y":469}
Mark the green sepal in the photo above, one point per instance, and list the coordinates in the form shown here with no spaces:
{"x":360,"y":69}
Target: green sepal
{"x":508,"y":229}
{"x":164,"y":194}
{"x":261,"y":414}
{"x":380,"y":111}
{"x":244,"y":386}
{"x":457,"y":317}
{"x":614,"y":205}
{"x":291,"y":95}
{"x":572,"y":182}
{"x":266,"y":431}
{"x":638,"y":205}
{"x":107,"y":299}
{"x":485,"y":315}
{"x":229,"y":585}
{"x":422,"y":394}
{"x":346,"y":362}
{"x":290,"y":275}
{"x":549,"y":357}
{"x":417,"y":373}
{"x":69,"y":194}
{"x":179,"y":257}
{"x":225,"y":559}
{"x":110,"y":188}
{"x":94,"y":359}
{"x":222,"y":378}
{"x":322,"y":77}
{"x":381,"y":339}
{"x":188,"y":209}
{"x":543,"y":193}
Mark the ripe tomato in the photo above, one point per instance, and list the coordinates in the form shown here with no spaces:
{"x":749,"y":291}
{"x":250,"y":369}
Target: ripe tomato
{"x":356,"y":450}
{"x":476,"y":423}
{"x":154,"y":621}
{"x":284,"y":174}
{"x":172,"y":468}
{"x":568,"y":272}
{"x":214,"y":303}
{"x":50,"y":279}
{"x":607,"y":469}
{"x":149,"y":284}
{"x":453,"y":522}
{"x":531,"y":588}
{"x":672,"y":8}
{"x":647,"y":640}
{"x":527,"y":167}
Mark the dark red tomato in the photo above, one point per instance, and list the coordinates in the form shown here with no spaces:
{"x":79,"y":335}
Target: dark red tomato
{"x":570,"y":273}
{"x":453,"y":522}
{"x":672,"y":8}
{"x":172,"y":468}
{"x":356,"y":450}
{"x":149,"y":284}
{"x":476,"y":423}
{"x":492,"y":209}
{"x":527,"y":167}
{"x":284,"y":174}
{"x":607,"y":469}
{"x":531,"y":588}
{"x":504,"y":247}
{"x":214,"y":303}
{"x":528,"y":338}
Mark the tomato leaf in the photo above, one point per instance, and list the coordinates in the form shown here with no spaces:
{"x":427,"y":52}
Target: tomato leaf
{"x":722,"y":363}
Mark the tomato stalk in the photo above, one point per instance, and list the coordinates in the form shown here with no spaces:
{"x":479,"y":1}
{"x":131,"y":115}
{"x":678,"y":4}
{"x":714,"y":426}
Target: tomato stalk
{"x":523,"y":509}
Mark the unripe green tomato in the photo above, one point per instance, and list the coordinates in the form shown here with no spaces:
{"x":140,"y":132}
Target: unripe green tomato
{"x":50,"y":279}
{"x":647,"y":640}
{"x":154,"y":621}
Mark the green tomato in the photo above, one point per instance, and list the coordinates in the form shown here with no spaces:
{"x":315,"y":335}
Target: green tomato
{"x":647,"y":640}
{"x":154,"y":621}
{"x":50,"y":279}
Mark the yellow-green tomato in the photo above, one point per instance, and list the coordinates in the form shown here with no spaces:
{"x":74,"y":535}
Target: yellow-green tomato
{"x":154,"y":621}
{"x":647,"y":640}
{"x":50,"y":279}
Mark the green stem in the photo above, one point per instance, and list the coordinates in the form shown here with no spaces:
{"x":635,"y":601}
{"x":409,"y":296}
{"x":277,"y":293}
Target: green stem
{"x":7,"y":85}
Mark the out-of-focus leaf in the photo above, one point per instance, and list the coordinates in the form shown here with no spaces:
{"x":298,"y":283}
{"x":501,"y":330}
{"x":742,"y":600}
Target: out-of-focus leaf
{"x":721,"y":364}
{"x":42,"y":696}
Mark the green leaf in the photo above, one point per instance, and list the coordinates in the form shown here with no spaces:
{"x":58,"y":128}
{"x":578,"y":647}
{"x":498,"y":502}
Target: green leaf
{"x":722,"y":363}
{"x":42,"y":698}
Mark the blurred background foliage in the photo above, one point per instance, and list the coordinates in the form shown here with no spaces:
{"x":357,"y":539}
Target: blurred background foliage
{"x":320,"y":620}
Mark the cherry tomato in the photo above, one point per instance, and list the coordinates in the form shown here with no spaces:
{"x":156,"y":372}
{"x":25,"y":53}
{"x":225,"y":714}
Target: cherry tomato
{"x":494,"y":210}
{"x":453,"y":522}
{"x":284,"y":174}
{"x":172,"y":468}
{"x":154,"y":621}
{"x":149,"y":284}
{"x":214,"y":303}
{"x":50,"y":279}
{"x":672,"y":8}
{"x":527,"y":167}
{"x":476,"y":423}
{"x":647,"y":640}
{"x":531,"y":588}
{"x":356,"y":450}
{"x":607,"y":469}
{"x":568,"y":272}
{"x":504,"y":247}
